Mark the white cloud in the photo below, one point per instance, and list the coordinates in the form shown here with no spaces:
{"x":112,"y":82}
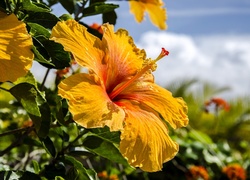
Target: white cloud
{"x":223,"y":60}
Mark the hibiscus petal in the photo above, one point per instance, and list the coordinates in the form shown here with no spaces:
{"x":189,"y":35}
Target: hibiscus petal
{"x":157,"y":15}
{"x":15,"y":48}
{"x":145,"y":142}
{"x":172,"y":110}
{"x":85,"y":47}
{"x":89,"y":103}
{"x":137,"y":8}
{"x":124,"y":59}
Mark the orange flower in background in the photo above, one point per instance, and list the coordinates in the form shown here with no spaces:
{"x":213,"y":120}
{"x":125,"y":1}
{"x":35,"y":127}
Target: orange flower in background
{"x":61,"y":72}
{"x":104,"y":176}
{"x":219,"y":103}
{"x":15,"y":48}
{"x":119,"y":92}
{"x":197,"y":172}
{"x":234,"y":172}
{"x":97,"y":27}
{"x":156,"y":12}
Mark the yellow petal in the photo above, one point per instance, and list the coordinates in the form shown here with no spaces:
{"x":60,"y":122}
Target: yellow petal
{"x":89,"y":103}
{"x":123,"y":58}
{"x":157,"y":15}
{"x":85,"y":47}
{"x":137,"y":8}
{"x":172,"y":110}
{"x":114,"y":58}
{"x":145,"y":142}
{"x":15,"y":48}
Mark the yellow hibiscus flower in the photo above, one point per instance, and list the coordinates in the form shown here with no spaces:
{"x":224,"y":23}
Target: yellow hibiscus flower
{"x":157,"y":14}
{"x":119,"y":92}
{"x":15,"y":48}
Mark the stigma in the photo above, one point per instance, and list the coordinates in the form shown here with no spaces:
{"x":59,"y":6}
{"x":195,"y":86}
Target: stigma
{"x":148,"y":66}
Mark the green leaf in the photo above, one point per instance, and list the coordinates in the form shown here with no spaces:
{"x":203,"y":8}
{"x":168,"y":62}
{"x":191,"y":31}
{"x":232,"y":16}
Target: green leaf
{"x":36,"y":166}
{"x":65,"y":136}
{"x":69,"y":5}
{"x":105,"y":134}
{"x":109,"y":17}
{"x":210,"y":158}
{"x":59,"y":57}
{"x":27,"y":95}
{"x":38,"y":30}
{"x":49,"y":146}
{"x":29,"y":176}
{"x":34,"y":102}
{"x":79,"y":172}
{"x":32,"y":142}
{"x":59,"y":178}
{"x":62,"y":134}
{"x":54,"y":169}
{"x":105,"y":149}
{"x":42,"y":123}
{"x":49,"y":53}
{"x":45,"y":19}
{"x":61,"y":111}
{"x":39,"y":58}
{"x":190,"y":154}
{"x":72,"y":174}
{"x":98,"y":8}
{"x":28,"y":5}
{"x":66,"y":17}
{"x":28,"y":78}
{"x":200,"y":136}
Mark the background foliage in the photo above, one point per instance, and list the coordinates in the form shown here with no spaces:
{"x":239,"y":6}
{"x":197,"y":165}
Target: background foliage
{"x":39,"y":139}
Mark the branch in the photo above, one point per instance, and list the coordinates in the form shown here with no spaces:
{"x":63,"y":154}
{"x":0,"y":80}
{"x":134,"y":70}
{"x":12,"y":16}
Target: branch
{"x":44,"y":79}
{"x":4,"y":89}
{"x":17,"y":142}
{"x":14,"y":131}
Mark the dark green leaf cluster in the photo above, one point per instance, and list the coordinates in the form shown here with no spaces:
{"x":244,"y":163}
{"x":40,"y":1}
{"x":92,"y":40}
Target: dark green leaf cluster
{"x":39,"y":139}
{"x":40,"y":20}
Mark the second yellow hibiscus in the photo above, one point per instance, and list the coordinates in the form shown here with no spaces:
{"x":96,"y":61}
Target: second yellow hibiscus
{"x":156,"y":12}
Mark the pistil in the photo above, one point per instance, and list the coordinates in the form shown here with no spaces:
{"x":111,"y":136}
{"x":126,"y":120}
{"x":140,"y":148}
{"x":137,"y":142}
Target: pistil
{"x":147,"y":67}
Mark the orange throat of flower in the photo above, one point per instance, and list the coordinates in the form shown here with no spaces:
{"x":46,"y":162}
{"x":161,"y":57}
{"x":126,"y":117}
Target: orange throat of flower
{"x":147,"y":67}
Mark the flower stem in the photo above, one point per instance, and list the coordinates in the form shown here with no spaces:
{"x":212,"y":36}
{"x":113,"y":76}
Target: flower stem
{"x":18,"y":142}
{"x":44,"y":79}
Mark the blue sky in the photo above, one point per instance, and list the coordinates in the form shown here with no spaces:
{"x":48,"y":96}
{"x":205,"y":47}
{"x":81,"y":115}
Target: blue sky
{"x":193,"y":17}
{"x":209,"y":40}
{"x":209,"y":17}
